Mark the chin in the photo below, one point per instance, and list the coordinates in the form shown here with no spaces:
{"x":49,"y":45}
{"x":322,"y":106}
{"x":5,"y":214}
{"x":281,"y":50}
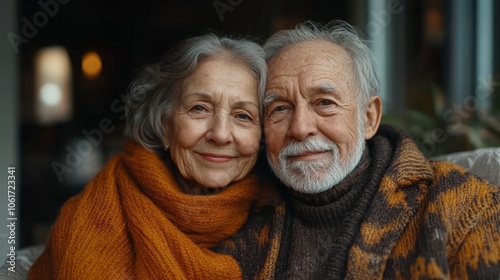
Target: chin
{"x":215,"y":184}
{"x":313,"y":187}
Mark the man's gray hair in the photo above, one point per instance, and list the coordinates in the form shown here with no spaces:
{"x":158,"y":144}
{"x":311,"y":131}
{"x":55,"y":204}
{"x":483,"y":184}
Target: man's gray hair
{"x":337,"y":32}
{"x":151,"y":94}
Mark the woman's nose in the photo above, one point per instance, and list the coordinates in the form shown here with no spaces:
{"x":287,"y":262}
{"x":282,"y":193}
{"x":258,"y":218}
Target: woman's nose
{"x":220,"y":130}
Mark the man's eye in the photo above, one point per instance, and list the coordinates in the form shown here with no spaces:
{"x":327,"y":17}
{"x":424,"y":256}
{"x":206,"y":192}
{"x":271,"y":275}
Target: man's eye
{"x":326,"y":102}
{"x":280,"y":108}
{"x":277,"y":110}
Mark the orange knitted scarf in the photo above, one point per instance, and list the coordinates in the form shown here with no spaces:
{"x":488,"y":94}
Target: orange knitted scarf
{"x":133,"y":222}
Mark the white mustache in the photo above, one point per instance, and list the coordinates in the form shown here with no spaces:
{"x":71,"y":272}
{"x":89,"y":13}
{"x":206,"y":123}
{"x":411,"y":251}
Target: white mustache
{"x":307,"y":146}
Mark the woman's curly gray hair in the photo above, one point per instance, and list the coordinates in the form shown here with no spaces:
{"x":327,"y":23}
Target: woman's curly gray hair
{"x":150,"y":96}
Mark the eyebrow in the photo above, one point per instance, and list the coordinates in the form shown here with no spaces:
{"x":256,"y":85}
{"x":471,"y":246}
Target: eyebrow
{"x":243,"y":103}
{"x":197,"y":94}
{"x":209,"y":97}
{"x":326,"y":89}
{"x":269,"y":97}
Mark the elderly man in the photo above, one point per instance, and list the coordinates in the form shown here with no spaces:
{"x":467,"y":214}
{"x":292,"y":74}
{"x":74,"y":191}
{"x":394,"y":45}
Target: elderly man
{"x":360,"y":199}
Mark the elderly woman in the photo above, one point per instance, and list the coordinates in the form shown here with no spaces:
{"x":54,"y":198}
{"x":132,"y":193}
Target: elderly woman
{"x":183,"y":186}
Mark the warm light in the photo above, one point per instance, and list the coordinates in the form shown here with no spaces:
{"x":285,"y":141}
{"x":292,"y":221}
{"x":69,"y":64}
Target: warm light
{"x":91,"y":64}
{"x":53,"y":88}
{"x":51,"y":94}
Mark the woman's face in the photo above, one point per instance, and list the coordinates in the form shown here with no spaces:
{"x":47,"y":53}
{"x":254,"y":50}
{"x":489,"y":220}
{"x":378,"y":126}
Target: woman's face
{"x":215,"y":127}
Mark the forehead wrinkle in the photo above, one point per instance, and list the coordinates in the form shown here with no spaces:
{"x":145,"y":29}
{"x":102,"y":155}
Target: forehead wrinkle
{"x":290,"y":68}
{"x":209,"y":97}
{"x":244,"y":103}
{"x":196,"y":94}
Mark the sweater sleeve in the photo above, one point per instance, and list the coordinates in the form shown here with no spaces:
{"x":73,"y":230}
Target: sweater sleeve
{"x":478,"y":256}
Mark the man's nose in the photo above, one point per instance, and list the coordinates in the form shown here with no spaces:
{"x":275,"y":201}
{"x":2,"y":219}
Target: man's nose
{"x":220,"y":130}
{"x":303,"y":123}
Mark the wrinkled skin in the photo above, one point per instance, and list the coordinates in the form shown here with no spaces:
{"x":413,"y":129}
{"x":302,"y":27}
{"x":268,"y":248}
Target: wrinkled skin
{"x":214,"y":131}
{"x":311,"y":93}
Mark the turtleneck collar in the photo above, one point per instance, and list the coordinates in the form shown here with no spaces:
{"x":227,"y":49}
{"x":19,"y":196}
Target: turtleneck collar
{"x":330,"y":207}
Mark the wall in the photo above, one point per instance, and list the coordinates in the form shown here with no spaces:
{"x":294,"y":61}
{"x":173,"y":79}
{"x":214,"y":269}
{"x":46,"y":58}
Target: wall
{"x":8,"y":120}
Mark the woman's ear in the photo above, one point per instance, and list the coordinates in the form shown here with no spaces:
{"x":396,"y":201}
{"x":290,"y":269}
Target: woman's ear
{"x":373,"y":114}
{"x":168,"y":126}
{"x":165,"y":144}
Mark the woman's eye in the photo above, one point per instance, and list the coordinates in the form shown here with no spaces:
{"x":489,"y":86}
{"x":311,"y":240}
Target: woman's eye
{"x":243,"y":116}
{"x":198,"y":108}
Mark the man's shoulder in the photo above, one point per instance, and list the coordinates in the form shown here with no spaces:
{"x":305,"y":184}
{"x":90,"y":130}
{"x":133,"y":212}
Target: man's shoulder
{"x":455,"y":188}
{"x":448,"y":174}
{"x":484,"y":162}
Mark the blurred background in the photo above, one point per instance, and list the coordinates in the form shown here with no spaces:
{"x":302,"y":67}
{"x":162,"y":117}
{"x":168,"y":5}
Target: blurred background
{"x":65,"y":66}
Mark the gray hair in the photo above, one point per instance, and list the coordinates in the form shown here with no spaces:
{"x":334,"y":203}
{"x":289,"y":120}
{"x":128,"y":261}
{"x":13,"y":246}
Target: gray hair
{"x":151,"y":94}
{"x":339,"y":33}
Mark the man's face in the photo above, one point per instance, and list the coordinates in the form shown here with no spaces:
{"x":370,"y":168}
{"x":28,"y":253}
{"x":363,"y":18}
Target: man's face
{"x":314,"y":132}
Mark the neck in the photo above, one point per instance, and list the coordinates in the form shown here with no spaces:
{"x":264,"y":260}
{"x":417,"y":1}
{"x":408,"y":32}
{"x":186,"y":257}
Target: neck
{"x":187,"y":186}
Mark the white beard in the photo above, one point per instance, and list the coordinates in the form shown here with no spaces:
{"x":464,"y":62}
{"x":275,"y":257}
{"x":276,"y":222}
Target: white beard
{"x":320,"y":175}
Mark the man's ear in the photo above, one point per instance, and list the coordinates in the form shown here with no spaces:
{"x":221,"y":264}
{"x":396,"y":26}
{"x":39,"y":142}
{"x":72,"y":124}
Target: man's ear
{"x":373,"y":114}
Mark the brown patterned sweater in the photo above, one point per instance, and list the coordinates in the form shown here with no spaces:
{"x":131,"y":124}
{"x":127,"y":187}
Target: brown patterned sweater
{"x":422,"y":220}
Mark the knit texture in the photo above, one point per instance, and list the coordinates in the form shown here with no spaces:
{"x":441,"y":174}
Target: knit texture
{"x":133,"y":222}
{"x":325,"y":224}
{"x":426,"y":220}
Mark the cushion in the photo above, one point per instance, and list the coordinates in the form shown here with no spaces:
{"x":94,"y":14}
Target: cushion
{"x":484,"y":162}
{"x":24,"y":259}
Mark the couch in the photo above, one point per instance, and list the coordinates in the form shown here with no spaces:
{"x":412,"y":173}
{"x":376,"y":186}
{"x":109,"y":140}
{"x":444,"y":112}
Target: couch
{"x":483,"y":162}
